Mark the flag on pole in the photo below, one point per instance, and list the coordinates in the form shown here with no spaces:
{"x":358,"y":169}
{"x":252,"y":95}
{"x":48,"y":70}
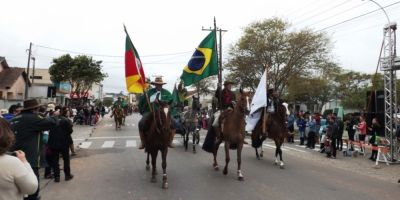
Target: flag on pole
{"x":203,"y":62}
{"x":259,"y":101}
{"x":134,"y":74}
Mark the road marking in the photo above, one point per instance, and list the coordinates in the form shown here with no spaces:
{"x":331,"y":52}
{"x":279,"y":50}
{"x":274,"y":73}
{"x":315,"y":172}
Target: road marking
{"x":85,"y":145}
{"x":176,"y":142}
{"x":108,"y":144}
{"x":274,"y":147}
{"x":112,"y":137}
{"x":295,"y":149}
{"x":131,"y":143}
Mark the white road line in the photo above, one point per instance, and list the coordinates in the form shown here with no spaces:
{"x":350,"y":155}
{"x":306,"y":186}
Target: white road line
{"x":85,"y":145}
{"x":131,"y":143}
{"x":108,"y":144}
{"x":112,"y":137}
{"x":176,"y":142}
{"x":294,"y":149}
{"x":268,"y":145}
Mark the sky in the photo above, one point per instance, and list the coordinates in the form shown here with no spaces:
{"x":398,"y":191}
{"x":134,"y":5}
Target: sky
{"x":166,"y":33}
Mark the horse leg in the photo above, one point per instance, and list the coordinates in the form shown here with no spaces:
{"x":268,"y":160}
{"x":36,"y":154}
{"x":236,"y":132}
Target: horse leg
{"x":153,"y":164}
{"x":164,"y":167}
{"x":227,"y":158}
{"x":194,"y":141}
{"x":257,"y":155}
{"x":278,"y":151}
{"x":239,"y":161}
{"x":148,"y":162}
{"x":186,"y":139}
{"x":215,"y":152}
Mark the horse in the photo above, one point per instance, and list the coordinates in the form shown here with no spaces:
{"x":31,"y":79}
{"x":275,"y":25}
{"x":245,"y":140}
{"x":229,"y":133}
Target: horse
{"x":118,"y":116}
{"x":191,"y":125}
{"x":157,"y":139}
{"x":277,"y":130}
{"x":231,"y":131}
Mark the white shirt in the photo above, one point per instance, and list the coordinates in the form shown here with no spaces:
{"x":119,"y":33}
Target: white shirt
{"x":16,"y":178}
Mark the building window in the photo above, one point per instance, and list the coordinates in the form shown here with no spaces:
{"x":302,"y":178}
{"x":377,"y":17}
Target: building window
{"x":10,"y":95}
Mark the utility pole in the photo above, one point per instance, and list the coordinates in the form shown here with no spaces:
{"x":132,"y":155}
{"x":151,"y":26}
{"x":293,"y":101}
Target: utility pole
{"x":33,"y":69}
{"x":219,"y":54}
{"x":27,"y":71}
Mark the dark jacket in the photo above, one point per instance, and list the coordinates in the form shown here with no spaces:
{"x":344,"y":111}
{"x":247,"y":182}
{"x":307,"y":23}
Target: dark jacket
{"x":59,"y":134}
{"x":28,"y":128}
{"x":333,"y":130}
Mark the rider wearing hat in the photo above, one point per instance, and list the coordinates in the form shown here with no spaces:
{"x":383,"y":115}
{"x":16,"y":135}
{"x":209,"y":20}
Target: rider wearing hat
{"x":227,"y":98}
{"x":28,"y":127}
{"x":144,"y":109}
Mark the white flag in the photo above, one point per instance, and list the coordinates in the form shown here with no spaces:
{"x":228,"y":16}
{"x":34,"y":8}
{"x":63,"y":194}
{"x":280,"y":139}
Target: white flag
{"x":259,"y":101}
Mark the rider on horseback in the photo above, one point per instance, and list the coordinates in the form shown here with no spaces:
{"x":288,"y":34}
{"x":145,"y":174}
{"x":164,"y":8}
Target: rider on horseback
{"x":227,"y":98}
{"x":272,"y":104}
{"x":164,"y":96}
{"x":118,"y":103}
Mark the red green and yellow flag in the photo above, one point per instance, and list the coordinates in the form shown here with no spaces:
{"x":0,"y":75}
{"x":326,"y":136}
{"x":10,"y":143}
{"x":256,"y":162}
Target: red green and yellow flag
{"x":134,"y":74}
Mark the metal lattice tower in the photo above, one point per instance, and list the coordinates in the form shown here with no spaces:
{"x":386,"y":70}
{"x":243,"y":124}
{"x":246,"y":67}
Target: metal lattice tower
{"x":389,"y":68}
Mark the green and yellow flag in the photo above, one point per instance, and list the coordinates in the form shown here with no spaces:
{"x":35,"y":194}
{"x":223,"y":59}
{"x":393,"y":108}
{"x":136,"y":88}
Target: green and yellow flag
{"x":203,"y":62}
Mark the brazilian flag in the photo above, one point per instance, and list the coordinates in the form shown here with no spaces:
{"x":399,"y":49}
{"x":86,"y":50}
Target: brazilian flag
{"x":203,"y":62}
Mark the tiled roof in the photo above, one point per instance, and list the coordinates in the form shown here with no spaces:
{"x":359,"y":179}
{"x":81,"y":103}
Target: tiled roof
{"x":10,"y":75}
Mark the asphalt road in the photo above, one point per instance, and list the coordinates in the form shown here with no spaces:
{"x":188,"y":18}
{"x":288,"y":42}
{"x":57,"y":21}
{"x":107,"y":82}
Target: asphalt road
{"x":110,"y":167}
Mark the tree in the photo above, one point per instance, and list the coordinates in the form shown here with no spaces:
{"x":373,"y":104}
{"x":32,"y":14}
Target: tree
{"x":205,"y":86}
{"x":81,"y":72}
{"x":270,"y":44}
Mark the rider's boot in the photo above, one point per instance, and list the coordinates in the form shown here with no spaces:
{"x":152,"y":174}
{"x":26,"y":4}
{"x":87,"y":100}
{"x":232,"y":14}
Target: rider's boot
{"x":171,"y":139}
{"x":142,"y":145}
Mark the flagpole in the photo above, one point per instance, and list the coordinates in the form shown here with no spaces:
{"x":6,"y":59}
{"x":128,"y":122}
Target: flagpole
{"x":140,"y":75}
{"x":266,"y":97}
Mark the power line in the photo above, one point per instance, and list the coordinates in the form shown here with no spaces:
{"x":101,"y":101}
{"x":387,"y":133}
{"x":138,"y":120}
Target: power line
{"x":334,"y":15}
{"x":353,"y":18}
{"x":322,"y":12}
{"x":111,"y":56}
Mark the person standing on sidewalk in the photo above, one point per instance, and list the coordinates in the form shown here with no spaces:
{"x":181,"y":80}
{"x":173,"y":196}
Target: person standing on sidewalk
{"x":59,"y":143}
{"x":312,"y":124}
{"x":28,"y":128}
{"x":16,"y":175}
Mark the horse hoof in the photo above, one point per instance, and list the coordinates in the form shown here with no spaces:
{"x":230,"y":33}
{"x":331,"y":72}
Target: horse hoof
{"x":225,"y":172}
{"x":241,"y":178}
{"x":165,"y":185}
{"x":153,"y":179}
{"x":216,"y":168}
{"x":258,"y":158}
{"x":147,"y":167}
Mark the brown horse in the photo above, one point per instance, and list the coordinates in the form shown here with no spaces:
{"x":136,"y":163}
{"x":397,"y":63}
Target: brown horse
{"x":118,"y":115}
{"x":277,"y":131}
{"x":232,"y":123}
{"x":157,"y":139}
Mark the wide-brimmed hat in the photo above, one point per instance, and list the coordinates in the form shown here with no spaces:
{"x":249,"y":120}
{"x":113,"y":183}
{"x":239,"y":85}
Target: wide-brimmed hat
{"x":158,"y":81}
{"x":228,"y":82}
{"x":31,"y":104}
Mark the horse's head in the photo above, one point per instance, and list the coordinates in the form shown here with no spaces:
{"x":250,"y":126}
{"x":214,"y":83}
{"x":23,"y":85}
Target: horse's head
{"x":243,"y":102}
{"x":163,"y":117}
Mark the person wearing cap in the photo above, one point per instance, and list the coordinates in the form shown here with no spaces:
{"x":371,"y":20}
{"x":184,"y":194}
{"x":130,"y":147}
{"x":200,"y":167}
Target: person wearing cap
{"x":144,"y":109}
{"x":28,"y":127}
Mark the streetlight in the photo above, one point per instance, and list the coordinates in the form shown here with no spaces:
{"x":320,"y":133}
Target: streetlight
{"x":387,"y":17}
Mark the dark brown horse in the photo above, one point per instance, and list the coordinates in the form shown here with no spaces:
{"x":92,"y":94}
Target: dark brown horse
{"x":231,"y":131}
{"x":157,"y":139}
{"x":118,"y":115}
{"x":277,"y":130}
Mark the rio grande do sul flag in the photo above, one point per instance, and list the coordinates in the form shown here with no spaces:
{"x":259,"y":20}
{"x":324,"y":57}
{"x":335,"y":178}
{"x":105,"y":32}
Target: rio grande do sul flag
{"x":203,"y":62}
{"x":134,"y":74}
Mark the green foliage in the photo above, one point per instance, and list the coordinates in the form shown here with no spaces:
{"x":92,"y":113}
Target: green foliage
{"x":286,"y":54}
{"x":107,"y":101}
{"x":81,"y":72}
